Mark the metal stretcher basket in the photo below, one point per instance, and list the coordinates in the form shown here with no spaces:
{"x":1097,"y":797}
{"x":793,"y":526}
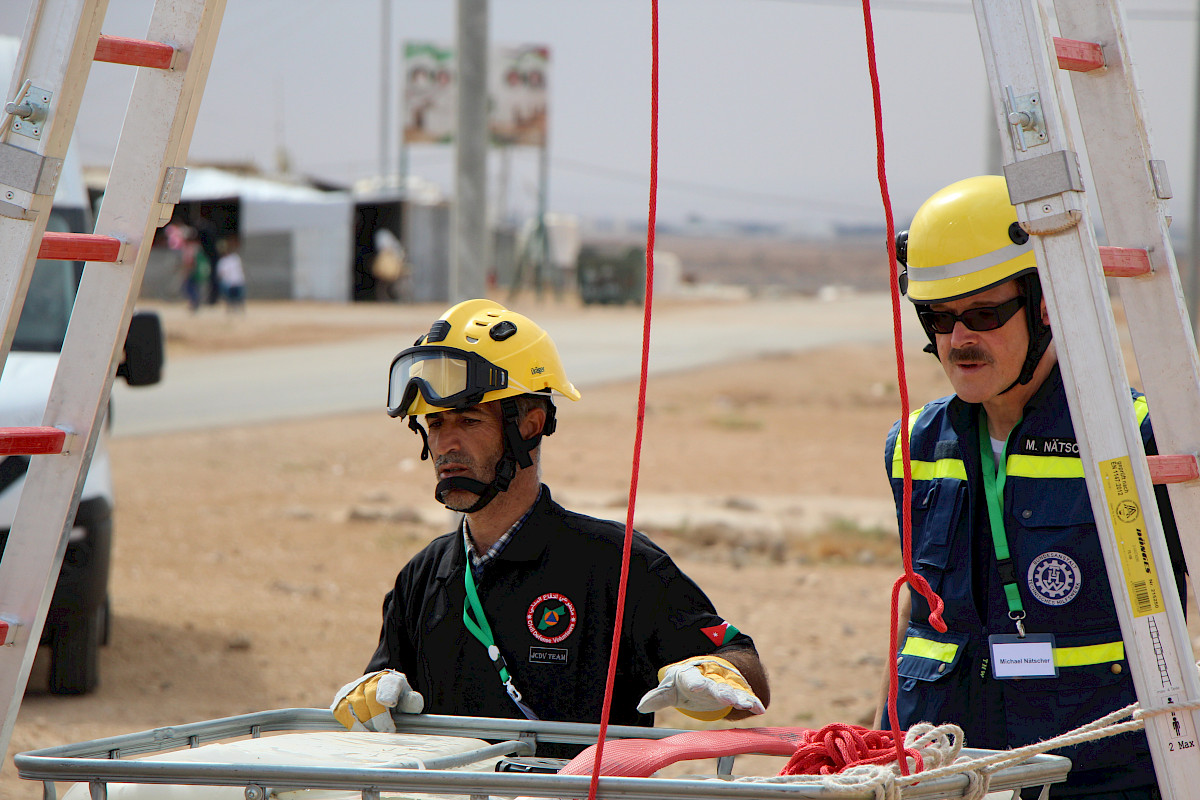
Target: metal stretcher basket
{"x":320,"y":760}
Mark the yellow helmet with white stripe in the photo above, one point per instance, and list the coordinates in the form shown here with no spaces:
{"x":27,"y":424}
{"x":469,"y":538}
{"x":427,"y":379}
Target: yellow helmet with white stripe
{"x":963,"y":240}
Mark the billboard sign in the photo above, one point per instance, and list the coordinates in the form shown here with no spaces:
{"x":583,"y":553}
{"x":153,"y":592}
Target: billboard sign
{"x":517,"y":95}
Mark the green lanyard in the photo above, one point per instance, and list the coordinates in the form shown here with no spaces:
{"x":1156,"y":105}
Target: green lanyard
{"x":993,"y":488}
{"x":477,"y":624}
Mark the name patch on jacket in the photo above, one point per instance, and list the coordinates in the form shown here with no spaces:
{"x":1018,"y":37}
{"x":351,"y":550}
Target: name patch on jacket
{"x":547,"y":655}
{"x":1039,"y":446}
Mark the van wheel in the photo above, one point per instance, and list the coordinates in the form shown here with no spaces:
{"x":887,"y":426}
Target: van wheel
{"x":75,"y":653}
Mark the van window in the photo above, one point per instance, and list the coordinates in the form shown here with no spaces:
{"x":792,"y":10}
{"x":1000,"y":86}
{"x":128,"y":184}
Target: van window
{"x":43,"y":323}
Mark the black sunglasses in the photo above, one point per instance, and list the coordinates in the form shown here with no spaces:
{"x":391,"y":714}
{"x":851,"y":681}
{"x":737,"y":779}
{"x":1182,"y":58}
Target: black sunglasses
{"x":984,"y":318}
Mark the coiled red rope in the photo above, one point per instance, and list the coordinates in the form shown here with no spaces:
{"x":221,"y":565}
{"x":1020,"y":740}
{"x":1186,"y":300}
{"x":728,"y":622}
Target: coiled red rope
{"x":839,"y":746}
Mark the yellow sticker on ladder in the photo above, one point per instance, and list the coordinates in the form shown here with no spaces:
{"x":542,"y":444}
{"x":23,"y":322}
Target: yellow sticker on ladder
{"x":1133,"y":546}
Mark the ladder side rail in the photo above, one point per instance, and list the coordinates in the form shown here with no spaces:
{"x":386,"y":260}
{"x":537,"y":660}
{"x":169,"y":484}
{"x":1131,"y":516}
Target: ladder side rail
{"x":154,"y":123}
{"x":199,"y":61}
{"x":1044,"y":180}
{"x":55,"y":57}
{"x":1132,"y":198}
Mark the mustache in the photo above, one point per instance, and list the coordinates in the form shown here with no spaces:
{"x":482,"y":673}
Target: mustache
{"x":457,"y":459}
{"x":971,"y":354}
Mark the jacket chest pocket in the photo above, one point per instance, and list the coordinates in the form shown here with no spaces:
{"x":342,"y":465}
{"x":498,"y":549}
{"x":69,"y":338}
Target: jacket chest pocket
{"x":936,"y":516}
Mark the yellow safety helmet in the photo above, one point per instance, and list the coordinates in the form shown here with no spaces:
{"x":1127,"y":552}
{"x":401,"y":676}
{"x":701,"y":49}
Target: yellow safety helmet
{"x":963,"y":240}
{"x":476,"y":352}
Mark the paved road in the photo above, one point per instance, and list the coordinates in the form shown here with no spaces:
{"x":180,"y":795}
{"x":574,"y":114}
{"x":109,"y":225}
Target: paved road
{"x":598,"y":344}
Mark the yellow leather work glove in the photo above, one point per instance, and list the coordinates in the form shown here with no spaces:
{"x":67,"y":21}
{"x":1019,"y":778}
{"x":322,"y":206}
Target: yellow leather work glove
{"x":366,"y":704}
{"x":704,"y":687}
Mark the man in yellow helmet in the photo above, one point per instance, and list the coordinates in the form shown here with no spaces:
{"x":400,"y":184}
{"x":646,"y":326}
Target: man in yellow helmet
{"x":511,"y":615}
{"x":1001,"y":521}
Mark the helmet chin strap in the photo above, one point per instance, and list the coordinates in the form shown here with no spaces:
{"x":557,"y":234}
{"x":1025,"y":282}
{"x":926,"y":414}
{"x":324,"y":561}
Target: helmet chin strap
{"x":516,"y":454}
{"x":1039,"y":332}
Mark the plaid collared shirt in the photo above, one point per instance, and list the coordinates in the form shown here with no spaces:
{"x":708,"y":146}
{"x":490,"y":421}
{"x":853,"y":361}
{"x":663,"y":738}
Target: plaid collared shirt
{"x":478,"y":562}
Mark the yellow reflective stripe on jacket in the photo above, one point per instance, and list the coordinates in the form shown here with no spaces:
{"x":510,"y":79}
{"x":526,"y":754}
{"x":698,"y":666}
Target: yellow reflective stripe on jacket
{"x":1019,"y":466}
{"x":1063,"y":656}
{"x":927,"y":648}
{"x":926,"y":470}
{"x":1140,"y":408}
{"x":1089,"y":654}
{"x":930,"y":470}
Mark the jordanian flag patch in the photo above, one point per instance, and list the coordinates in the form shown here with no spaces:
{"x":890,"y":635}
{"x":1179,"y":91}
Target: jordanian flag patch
{"x":720,"y":634}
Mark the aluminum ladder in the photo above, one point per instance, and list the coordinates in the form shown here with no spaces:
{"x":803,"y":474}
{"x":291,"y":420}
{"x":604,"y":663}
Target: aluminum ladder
{"x":1040,"y":54}
{"x":62,"y":38}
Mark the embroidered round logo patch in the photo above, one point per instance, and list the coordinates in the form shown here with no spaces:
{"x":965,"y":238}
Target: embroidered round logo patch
{"x":551,"y":618}
{"x":1054,"y":578}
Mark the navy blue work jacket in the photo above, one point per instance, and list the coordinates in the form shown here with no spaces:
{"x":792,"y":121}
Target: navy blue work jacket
{"x":1060,"y":574}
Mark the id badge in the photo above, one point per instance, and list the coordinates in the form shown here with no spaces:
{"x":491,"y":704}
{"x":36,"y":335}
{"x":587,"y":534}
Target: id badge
{"x":1030,"y":656}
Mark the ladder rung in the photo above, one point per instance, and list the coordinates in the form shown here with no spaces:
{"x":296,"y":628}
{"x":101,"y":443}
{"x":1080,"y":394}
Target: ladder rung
{"x":7,"y":631}
{"x":1078,"y":56}
{"x":1173,"y":469}
{"x":79,"y":247}
{"x":31,"y":441}
{"x":134,"y":52}
{"x":1125,"y":262}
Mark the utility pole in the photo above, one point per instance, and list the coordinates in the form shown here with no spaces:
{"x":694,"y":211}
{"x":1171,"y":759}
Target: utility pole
{"x":385,"y":85}
{"x":469,"y":248}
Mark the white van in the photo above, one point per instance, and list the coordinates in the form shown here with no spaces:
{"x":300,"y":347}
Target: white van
{"x":77,"y":621}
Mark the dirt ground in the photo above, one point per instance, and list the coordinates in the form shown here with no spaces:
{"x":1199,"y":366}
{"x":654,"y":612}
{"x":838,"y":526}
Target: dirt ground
{"x":250,"y":563}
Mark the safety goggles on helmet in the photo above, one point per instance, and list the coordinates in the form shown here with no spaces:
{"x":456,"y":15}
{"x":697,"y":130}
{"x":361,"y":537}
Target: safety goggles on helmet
{"x":446,"y":376}
{"x":983,"y":318}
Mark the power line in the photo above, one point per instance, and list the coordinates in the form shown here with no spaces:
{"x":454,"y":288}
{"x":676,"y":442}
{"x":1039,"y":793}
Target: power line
{"x":951,"y":7}
{"x":710,"y":190}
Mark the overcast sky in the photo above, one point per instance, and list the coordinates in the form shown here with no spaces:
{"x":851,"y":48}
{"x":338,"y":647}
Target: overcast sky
{"x":765,"y":104}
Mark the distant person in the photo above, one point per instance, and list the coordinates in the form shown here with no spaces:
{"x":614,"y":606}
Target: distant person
{"x":511,"y":614}
{"x":231,"y":275}
{"x":194,"y":267}
{"x":389,"y":266}
{"x":210,"y":243}
{"x":1002,"y":526}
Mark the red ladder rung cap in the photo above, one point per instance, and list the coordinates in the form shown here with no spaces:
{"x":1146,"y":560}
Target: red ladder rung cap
{"x":1078,"y":56}
{"x":1125,"y":262}
{"x":31,"y":441}
{"x":7,"y":631}
{"x":1173,"y":469}
{"x":79,"y":247}
{"x":134,"y":52}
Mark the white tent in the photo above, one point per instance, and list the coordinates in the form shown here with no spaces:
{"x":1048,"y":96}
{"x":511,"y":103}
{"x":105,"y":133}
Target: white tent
{"x":296,"y":240}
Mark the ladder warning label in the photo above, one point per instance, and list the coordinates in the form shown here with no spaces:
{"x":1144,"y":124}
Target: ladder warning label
{"x":1133,"y":547}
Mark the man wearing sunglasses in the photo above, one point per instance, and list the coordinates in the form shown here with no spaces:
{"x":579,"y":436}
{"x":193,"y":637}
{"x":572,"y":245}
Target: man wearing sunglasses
{"x":1002,"y":526}
{"x":511,"y":615}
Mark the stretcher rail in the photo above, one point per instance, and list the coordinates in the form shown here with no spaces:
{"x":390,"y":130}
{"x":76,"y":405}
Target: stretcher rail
{"x":100,"y":762}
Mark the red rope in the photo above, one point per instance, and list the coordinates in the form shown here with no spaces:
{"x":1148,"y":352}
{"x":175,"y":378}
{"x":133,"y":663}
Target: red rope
{"x":918,"y":582}
{"x":838,"y":746}
{"x":641,"y":406}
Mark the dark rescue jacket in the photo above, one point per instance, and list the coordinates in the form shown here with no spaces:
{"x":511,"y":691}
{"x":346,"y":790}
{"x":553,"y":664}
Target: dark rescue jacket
{"x":1061,"y":577}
